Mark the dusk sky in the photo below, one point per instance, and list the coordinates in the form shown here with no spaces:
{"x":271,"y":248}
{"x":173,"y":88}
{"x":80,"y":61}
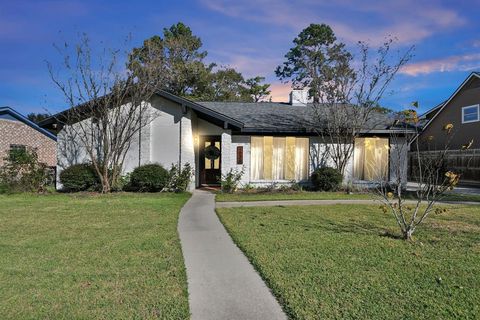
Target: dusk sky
{"x":251,"y":35}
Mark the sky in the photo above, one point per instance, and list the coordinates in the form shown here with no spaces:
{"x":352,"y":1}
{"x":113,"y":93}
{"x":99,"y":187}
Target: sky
{"x":250,"y":35}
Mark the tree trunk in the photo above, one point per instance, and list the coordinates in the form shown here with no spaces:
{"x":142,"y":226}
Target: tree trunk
{"x":106,"y":184}
{"x":407,"y":234}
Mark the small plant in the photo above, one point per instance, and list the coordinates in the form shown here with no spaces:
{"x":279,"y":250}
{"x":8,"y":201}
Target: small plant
{"x":231,"y":180}
{"x":80,"y":177}
{"x":433,"y":177}
{"x":148,"y":178}
{"x":23,"y":172}
{"x":179,"y":178}
{"x":326,"y":179}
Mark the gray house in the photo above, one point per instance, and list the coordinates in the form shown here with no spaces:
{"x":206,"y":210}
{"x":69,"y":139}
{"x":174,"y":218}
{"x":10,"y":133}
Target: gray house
{"x":271,"y":142}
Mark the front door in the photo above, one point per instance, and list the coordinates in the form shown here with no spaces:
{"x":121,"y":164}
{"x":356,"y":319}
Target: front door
{"x":210,"y":160}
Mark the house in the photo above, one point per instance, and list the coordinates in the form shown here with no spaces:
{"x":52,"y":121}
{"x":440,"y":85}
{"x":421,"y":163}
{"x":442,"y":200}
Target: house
{"x":271,"y":142}
{"x":462,"y":110}
{"x":19,"y":133}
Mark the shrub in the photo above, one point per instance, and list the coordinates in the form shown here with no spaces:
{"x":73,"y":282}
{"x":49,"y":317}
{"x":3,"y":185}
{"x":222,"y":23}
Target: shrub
{"x":80,"y":177}
{"x":231,"y":180}
{"x":179,"y":178}
{"x":148,"y":178}
{"x":22,"y":172}
{"x":326,"y":179}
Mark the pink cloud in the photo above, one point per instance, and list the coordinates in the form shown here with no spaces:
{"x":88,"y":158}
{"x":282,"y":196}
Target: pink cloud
{"x":454,"y":63}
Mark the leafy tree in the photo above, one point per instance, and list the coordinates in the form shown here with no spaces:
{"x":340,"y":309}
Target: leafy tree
{"x":185,"y":72}
{"x":179,"y":50}
{"x":257,"y":90}
{"x":315,"y":59}
{"x":227,"y":84}
{"x":37,"y":117}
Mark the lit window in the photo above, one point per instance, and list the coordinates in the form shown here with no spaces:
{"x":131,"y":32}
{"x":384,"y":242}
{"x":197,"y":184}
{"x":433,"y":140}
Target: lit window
{"x":470,"y":114}
{"x":279,"y":158}
{"x":371,"y":159}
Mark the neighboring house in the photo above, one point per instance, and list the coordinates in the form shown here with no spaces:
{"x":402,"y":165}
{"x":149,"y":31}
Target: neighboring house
{"x":19,"y":133}
{"x":271,"y":142}
{"x":462,"y":110}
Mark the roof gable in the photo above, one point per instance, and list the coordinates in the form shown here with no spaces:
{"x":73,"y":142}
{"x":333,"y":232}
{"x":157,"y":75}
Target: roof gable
{"x":7,"y":111}
{"x":441,"y":107}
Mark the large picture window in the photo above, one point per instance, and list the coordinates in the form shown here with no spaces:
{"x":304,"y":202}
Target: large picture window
{"x":279,"y":158}
{"x":371,"y":159}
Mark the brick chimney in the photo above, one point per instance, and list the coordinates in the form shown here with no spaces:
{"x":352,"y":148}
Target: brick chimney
{"x":299,"y":97}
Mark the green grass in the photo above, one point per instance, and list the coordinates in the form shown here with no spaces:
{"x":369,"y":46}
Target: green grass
{"x":462,"y":197}
{"x":91,"y":257}
{"x":310,"y":195}
{"x":301,"y":195}
{"x":341,"y":262}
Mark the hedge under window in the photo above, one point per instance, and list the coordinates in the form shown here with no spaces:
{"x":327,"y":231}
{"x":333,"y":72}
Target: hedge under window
{"x":279,"y":158}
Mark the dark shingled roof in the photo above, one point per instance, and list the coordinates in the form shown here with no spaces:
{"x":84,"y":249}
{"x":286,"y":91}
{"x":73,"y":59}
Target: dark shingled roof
{"x":281,"y":117}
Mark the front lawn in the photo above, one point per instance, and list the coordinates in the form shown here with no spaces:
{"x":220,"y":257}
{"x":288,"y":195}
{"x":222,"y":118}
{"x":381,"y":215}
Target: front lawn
{"x":91,"y":257}
{"x":299,"y":195}
{"x":341,"y":261}
{"x":311,"y":195}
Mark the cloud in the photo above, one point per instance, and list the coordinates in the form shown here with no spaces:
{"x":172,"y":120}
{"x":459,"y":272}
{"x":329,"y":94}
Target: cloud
{"x":408,"y":20}
{"x":466,"y":62}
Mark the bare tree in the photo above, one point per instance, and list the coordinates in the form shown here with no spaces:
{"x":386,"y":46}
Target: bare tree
{"x":108,"y":103}
{"x":432,"y":175}
{"x":346,"y":90}
{"x":348,"y":99}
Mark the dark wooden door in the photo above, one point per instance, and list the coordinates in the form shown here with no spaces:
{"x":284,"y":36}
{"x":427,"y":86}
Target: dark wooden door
{"x":210,"y":160}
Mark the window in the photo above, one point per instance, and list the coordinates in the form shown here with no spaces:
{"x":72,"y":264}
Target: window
{"x":279,"y":158}
{"x":470,"y":114}
{"x":371,"y":159}
{"x":16,"y":150}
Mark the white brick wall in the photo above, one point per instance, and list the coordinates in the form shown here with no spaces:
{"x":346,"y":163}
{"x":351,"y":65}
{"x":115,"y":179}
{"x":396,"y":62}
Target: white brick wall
{"x":188,"y":148}
{"x":243,"y":141}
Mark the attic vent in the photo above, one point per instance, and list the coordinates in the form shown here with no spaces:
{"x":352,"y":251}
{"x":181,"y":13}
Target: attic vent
{"x":299,"y":97}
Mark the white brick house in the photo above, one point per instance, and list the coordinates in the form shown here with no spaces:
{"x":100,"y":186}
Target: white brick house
{"x":271,"y":142}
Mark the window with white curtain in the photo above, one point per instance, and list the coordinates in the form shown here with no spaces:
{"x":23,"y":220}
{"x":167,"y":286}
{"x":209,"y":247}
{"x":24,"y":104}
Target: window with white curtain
{"x":279,"y":158}
{"x":371,"y":159}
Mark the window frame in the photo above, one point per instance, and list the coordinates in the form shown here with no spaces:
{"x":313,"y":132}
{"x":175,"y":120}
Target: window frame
{"x":468,"y":107}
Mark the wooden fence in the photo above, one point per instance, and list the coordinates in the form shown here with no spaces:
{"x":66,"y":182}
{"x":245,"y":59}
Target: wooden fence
{"x":466,"y":162}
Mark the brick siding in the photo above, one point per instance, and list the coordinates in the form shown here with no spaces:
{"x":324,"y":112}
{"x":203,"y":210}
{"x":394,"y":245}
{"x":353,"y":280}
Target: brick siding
{"x":16,"y":132}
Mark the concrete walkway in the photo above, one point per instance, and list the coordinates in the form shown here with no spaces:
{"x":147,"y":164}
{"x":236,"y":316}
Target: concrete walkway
{"x":222,"y":284}
{"x":275,"y":203}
